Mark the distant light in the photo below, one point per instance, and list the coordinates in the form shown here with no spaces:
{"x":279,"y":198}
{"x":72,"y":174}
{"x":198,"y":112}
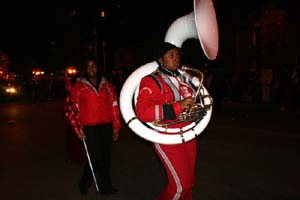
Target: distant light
{"x":11,"y":90}
{"x":72,"y":70}
{"x":38,"y":72}
{"x":103,"y":13}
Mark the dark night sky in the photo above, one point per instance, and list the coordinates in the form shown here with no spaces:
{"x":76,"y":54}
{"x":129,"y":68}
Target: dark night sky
{"x":29,"y":27}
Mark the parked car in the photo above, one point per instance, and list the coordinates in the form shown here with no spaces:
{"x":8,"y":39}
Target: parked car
{"x":10,"y":90}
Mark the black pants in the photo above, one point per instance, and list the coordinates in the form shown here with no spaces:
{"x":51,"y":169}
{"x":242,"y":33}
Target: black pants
{"x":99,"y":142}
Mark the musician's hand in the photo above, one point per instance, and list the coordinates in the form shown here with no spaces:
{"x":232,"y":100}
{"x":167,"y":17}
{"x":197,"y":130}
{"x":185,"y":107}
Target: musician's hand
{"x":81,"y":135}
{"x":115,"y":135}
{"x":187,"y":103}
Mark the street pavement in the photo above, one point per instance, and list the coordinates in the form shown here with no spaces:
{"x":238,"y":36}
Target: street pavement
{"x":250,"y":152}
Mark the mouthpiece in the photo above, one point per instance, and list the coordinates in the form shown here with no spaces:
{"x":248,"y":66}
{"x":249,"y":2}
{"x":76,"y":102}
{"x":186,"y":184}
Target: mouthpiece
{"x":185,"y":68}
{"x":194,"y":80}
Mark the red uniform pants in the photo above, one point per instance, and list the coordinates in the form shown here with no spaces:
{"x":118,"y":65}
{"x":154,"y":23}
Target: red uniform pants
{"x":179,"y":162}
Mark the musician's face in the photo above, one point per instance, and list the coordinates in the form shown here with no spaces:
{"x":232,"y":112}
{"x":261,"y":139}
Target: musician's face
{"x":171,"y":59}
{"x":92,"y":69}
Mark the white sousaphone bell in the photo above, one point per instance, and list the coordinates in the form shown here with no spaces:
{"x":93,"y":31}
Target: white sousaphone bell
{"x":199,"y":24}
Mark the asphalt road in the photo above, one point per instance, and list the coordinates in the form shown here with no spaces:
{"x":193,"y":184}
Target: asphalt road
{"x":251,"y":152}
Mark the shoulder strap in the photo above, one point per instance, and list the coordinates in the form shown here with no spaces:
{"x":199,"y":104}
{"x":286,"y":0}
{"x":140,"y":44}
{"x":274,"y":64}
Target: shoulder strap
{"x":152,"y":75}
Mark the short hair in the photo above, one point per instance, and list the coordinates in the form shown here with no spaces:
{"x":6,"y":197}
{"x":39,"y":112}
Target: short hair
{"x":84,"y":66}
{"x":163,"y":48}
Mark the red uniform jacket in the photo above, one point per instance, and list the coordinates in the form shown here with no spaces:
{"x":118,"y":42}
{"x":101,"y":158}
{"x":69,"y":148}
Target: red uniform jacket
{"x":158,"y":96}
{"x":96,"y":106}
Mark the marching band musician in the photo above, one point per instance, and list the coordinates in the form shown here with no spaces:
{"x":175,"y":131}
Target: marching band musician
{"x":99,"y":119}
{"x":163,"y":95}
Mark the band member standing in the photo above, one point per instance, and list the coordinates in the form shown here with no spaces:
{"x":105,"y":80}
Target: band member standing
{"x":98,"y":113}
{"x":163,"y":95}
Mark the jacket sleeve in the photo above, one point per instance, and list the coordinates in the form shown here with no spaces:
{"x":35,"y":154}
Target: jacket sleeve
{"x":115,"y":109}
{"x":150,"y":104}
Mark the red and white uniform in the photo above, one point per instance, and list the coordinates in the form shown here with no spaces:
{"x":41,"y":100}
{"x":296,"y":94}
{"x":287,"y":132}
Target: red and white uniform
{"x":96,"y":106}
{"x":157,"y":101}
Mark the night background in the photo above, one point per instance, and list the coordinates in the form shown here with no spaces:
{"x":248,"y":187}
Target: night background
{"x":53,"y":34}
{"x":249,"y":150}
{"x":258,"y":41}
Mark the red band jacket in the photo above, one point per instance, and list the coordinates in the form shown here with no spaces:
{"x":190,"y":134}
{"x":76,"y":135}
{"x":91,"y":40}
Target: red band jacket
{"x":158,"y":97}
{"x":96,"y":106}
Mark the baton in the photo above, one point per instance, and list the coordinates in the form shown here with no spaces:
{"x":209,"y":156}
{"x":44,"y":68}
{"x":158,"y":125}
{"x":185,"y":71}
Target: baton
{"x":91,"y":166}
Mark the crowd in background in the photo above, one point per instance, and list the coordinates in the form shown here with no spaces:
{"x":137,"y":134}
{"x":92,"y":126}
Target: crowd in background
{"x":45,"y":88}
{"x":279,"y":87}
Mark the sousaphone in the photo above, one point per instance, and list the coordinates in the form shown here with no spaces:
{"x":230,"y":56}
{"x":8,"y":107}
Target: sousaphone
{"x":199,"y":24}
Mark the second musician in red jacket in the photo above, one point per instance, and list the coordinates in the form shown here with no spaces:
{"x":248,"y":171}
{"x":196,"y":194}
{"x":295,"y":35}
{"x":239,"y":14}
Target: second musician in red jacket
{"x":163,"y":95}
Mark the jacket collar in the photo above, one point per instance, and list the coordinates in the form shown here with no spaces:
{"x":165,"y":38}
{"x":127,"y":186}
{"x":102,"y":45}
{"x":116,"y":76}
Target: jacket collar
{"x":168,"y":72}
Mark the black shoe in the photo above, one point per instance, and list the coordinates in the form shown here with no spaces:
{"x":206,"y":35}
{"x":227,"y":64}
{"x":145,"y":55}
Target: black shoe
{"x":83,"y":192}
{"x":109,"y":192}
